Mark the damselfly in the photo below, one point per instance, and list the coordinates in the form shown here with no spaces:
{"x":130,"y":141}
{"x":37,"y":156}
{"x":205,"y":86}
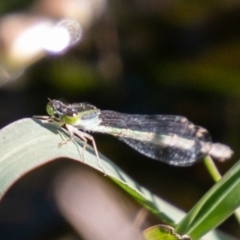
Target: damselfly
{"x":171,"y":139}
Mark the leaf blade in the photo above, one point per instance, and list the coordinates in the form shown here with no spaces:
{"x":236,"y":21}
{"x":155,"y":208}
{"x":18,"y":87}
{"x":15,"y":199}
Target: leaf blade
{"x":215,"y":206}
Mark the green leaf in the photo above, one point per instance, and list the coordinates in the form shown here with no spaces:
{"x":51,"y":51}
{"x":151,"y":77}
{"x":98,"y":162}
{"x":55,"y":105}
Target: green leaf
{"x":214,"y":207}
{"x":163,"y":232}
{"x":27,"y":144}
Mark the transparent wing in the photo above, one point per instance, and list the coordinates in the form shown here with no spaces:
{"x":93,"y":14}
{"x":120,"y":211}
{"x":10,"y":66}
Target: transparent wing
{"x":171,"y":139}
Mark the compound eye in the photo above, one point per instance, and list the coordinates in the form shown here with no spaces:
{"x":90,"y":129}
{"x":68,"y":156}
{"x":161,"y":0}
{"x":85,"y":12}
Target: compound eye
{"x":50,"y":109}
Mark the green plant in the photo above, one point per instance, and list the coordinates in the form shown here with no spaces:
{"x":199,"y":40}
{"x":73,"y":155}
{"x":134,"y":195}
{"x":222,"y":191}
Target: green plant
{"x":28,"y":144}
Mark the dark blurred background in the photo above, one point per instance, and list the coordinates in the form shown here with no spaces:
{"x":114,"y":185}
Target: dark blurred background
{"x":145,"y":57}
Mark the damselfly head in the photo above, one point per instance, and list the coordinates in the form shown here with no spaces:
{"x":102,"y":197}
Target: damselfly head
{"x":56,"y":109}
{"x":61,"y":112}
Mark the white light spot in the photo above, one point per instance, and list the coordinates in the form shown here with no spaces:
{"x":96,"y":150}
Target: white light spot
{"x":57,"y":40}
{"x":62,"y":36}
{"x":30,"y":42}
{"x":46,"y":36}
